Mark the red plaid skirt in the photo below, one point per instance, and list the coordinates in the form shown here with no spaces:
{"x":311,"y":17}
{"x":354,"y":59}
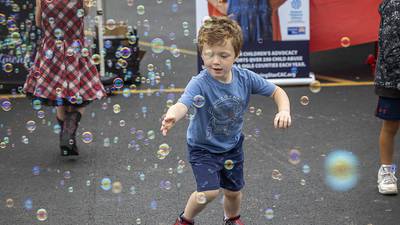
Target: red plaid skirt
{"x":63,"y":67}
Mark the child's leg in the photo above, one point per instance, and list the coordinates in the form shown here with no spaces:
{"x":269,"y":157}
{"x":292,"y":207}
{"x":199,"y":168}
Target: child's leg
{"x":232,"y":200}
{"x":386,"y":140}
{"x":193,"y":207}
{"x":61,"y":112}
{"x":81,"y":110}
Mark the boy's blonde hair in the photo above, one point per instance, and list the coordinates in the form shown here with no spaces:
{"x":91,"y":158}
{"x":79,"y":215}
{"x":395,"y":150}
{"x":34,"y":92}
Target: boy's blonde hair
{"x":217,"y":30}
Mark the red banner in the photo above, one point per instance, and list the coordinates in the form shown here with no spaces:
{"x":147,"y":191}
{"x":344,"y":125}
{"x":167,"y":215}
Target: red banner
{"x":341,"y":23}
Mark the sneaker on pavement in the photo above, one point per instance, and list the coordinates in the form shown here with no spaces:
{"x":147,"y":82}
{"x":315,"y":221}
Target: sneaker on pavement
{"x":387,"y":181}
{"x":233,"y":221}
{"x":182,"y":221}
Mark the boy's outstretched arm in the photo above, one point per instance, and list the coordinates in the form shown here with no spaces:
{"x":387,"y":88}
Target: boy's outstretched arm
{"x":282,"y":118}
{"x":174,"y":114}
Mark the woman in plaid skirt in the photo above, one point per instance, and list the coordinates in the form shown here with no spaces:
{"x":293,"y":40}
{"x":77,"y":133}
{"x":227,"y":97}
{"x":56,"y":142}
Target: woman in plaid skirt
{"x":63,"y":74}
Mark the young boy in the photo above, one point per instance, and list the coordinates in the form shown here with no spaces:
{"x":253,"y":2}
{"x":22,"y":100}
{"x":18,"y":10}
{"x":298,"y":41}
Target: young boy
{"x":220,"y":95}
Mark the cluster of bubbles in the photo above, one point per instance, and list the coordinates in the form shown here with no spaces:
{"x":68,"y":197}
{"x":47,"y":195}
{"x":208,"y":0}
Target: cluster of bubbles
{"x":21,"y":37}
{"x":22,"y":45}
{"x":314,"y":87}
{"x":123,"y":55}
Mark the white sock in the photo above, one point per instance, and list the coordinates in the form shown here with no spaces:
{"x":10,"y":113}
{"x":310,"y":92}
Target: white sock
{"x":225,"y":217}
{"x":386,"y":167}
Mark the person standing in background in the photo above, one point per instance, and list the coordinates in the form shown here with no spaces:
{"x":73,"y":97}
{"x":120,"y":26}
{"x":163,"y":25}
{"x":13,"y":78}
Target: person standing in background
{"x":387,"y":87}
{"x":63,"y":74}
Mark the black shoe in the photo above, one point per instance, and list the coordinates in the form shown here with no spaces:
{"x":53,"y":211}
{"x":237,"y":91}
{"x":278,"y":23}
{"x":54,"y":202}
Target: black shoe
{"x":63,"y":143}
{"x":74,"y":150}
{"x":67,"y":138}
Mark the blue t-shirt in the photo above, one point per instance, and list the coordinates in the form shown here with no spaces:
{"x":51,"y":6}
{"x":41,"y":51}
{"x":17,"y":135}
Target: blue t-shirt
{"x":218,"y":108}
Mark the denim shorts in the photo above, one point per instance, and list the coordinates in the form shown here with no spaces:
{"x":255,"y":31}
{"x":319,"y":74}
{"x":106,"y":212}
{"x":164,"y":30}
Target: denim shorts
{"x":213,"y":171}
{"x":388,"y":108}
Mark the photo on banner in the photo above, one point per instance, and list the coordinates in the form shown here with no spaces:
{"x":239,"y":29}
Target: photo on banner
{"x":276,"y":36}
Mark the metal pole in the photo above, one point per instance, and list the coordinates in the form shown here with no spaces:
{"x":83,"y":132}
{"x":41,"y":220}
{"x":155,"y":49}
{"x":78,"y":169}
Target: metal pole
{"x":100,"y":35}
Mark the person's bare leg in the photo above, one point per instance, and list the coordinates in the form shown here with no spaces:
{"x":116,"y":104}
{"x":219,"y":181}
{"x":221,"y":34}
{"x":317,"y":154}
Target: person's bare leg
{"x":61,"y":112}
{"x":80,"y":109}
{"x":386,"y":140}
{"x":232,"y":200}
{"x":195,"y":203}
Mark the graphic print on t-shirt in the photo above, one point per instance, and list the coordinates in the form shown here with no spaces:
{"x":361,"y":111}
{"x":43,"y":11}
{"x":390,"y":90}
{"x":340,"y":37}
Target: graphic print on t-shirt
{"x":225,"y":116}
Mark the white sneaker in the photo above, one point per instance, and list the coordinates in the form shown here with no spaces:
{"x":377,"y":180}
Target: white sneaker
{"x":387,"y":181}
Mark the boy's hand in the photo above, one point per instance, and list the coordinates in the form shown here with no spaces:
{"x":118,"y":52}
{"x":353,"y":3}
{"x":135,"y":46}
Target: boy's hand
{"x":167,"y":123}
{"x":282,"y":119}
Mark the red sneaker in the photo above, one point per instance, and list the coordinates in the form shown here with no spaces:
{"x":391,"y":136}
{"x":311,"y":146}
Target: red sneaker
{"x":183,"y":221}
{"x":233,"y":221}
